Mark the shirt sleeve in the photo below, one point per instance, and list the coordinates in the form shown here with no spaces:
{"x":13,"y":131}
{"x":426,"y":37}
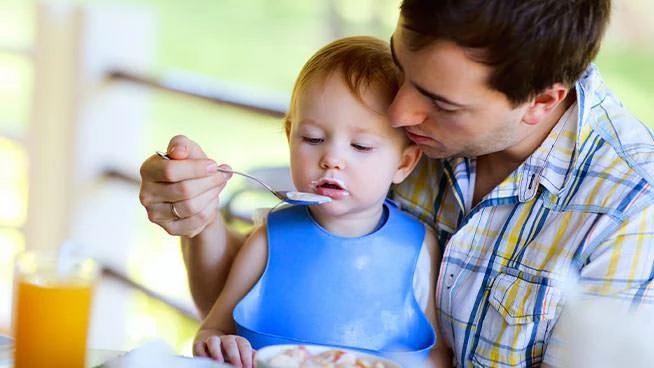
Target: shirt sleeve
{"x":609,"y":315}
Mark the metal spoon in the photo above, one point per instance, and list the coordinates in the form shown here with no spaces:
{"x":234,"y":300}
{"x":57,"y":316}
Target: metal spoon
{"x":292,"y":197}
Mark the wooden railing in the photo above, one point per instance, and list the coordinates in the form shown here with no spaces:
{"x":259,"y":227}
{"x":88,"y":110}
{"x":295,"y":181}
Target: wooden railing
{"x":195,"y":86}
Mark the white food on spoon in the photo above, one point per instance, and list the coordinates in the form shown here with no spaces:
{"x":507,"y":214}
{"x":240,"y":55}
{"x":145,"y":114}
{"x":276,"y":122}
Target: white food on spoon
{"x":305,"y":196}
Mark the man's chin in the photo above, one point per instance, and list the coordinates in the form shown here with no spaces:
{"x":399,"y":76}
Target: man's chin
{"x":437,"y":154}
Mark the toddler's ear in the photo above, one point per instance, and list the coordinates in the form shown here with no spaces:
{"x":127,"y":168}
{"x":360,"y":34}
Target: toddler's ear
{"x":410,"y":157}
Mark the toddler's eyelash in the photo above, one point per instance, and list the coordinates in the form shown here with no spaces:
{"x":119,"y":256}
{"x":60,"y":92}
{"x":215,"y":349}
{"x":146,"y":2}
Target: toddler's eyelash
{"x":312,"y":140}
{"x":359,"y":147}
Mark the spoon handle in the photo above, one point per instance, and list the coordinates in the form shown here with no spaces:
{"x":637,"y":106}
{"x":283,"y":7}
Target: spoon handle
{"x":249,"y":177}
{"x":165,"y":156}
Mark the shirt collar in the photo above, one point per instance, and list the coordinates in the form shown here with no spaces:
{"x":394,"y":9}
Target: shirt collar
{"x":551,"y":163}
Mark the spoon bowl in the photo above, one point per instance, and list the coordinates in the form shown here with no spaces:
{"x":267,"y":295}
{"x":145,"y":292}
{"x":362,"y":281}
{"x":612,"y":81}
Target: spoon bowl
{"x":288,"y":196}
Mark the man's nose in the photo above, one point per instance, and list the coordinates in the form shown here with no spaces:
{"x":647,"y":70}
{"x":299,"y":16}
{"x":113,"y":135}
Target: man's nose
{"x":407,"y":109}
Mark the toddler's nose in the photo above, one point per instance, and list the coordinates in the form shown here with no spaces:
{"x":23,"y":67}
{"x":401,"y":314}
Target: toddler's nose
{"x":331,"y":161}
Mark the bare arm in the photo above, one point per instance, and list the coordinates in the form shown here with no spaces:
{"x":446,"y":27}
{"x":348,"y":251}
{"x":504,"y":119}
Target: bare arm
{"x":441,"y":355}
{"x":181,"y":195}
{"x":247,"y":269}
{"x":208,"y":258}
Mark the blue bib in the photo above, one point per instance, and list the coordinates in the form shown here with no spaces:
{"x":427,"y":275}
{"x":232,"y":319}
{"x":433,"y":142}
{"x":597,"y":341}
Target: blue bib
{"x":319,"y":288}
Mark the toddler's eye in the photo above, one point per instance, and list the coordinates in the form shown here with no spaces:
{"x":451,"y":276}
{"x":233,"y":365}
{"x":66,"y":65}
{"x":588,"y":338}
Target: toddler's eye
{"x":360,"y":147}
{"x":311,"y":140}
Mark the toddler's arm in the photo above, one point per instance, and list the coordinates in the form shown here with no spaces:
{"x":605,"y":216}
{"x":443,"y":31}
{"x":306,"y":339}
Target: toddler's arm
{"x":216,"y":338}
{"x":441,"y":355}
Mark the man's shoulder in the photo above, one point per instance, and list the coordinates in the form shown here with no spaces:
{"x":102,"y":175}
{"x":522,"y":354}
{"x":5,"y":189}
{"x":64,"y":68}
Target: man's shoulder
{"x":625,"y":137}
{"x":613,"y":168}
{"x":605,"y":120}
{"x":610,"y":178}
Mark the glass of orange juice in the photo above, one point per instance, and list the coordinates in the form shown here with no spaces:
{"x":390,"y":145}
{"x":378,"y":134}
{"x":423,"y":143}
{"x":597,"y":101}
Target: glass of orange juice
{"x":52,"y":306}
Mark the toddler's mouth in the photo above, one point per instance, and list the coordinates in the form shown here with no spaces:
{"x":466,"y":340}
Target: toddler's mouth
{"x":330,"y":187}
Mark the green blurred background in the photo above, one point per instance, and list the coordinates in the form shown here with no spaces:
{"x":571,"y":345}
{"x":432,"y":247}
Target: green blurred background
{"x":255,"y":44}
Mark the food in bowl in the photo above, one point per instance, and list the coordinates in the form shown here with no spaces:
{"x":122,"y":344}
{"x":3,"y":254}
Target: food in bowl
{"x":301,"y":357}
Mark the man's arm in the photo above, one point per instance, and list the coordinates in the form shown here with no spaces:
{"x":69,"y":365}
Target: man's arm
{"x":612,"y":300}
{"x":208,"y":258}
{"x":182,"y":195}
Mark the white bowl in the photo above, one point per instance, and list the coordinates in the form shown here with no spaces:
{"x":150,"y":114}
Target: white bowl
{"x":264,"y":355}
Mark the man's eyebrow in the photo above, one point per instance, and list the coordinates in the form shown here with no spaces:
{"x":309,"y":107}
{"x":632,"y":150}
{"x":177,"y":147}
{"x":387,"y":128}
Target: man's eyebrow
{"x":436,"y":97}
{"x":420,"y":89}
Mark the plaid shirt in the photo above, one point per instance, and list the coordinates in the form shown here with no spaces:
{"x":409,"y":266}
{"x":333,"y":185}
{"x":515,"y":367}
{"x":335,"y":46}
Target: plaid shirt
{"x":583,"y":200}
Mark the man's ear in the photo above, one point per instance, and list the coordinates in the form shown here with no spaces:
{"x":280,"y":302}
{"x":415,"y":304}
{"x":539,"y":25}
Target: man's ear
{"x":544,"y":103}
{"x":410,"y":157}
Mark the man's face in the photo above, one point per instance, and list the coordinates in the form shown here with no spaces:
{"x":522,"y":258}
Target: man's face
{"x":445,"y":104}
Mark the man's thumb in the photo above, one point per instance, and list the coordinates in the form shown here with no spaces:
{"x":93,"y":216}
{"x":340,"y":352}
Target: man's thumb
{"x":181,"y":148}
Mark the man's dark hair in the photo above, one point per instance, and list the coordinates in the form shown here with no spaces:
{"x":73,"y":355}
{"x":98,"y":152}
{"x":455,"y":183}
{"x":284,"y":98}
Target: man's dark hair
{"x":529,"y":44}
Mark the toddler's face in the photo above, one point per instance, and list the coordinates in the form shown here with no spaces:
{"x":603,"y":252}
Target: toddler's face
{"x":343,"y":148}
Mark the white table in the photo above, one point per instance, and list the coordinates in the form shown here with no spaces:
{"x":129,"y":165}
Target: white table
{"x":95,"y":357}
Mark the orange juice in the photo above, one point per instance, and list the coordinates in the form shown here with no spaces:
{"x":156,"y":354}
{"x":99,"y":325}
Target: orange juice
{"x":51,"y":315}
{"x":51,"y":324}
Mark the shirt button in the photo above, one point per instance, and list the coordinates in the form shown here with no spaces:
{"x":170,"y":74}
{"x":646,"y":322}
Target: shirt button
{"x":449,"y":281}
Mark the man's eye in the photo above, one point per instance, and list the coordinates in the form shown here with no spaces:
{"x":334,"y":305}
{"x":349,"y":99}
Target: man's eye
{"x":311,"y":140}
{"x":360,"y":147}
{"x":440,"y":108}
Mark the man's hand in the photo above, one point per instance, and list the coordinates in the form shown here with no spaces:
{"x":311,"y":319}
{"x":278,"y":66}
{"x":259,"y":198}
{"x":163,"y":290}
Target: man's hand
{"x":181,"y":195}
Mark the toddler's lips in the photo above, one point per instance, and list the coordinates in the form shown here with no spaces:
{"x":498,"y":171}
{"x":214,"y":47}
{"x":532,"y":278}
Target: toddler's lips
{"x":331,"y":187}
{"x":332,"y":193}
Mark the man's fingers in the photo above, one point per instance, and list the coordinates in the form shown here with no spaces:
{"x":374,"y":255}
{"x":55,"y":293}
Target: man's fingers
{"x":180,"y":148}
{"x":158,"y":169}
{"x":155,"y":192}
{"x":163,"y":211}
{"x":197,"y":204}
{"x":190,"y":226}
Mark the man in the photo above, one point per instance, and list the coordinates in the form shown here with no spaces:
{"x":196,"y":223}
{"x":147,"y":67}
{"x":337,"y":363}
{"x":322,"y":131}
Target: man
{"x":534,"y":169}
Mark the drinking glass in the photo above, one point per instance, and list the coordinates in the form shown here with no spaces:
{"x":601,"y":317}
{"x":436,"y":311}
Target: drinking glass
{"x":52,"y":306}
